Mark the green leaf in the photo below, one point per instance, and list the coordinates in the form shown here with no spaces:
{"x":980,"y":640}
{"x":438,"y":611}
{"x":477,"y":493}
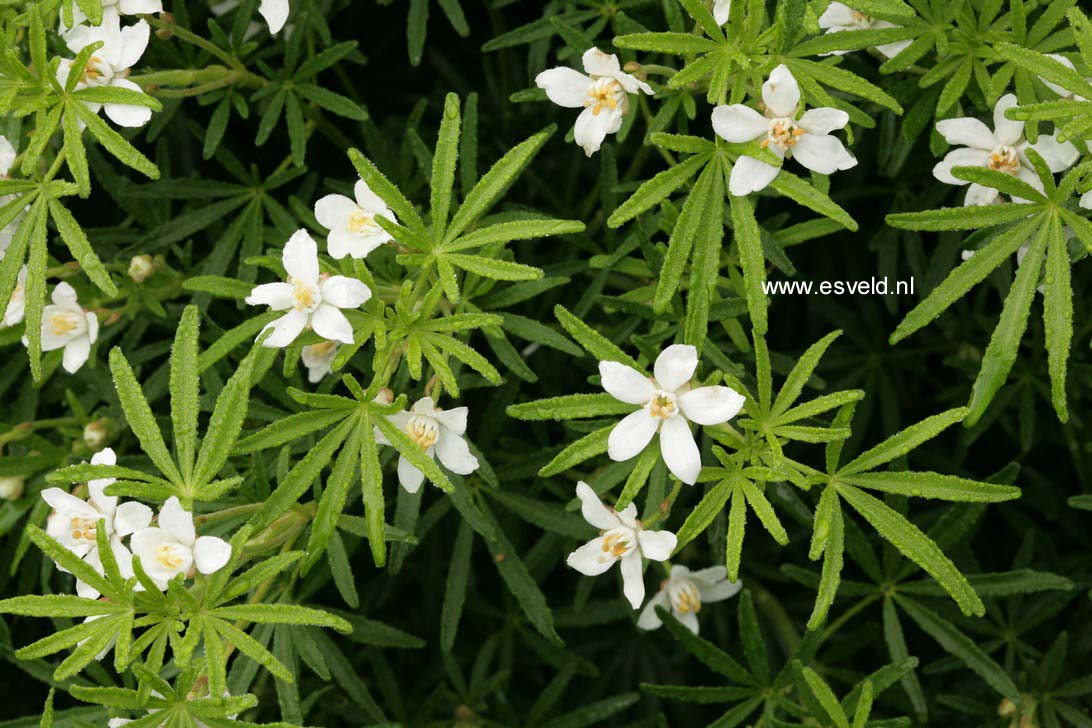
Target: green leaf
{"x":961,"y":647}
{"x":749,"y":243}
{"x":932,"y":485}
{"x":570,"y":407}
{"x":443,"y":165}
{"x":140,"y":418}
{"x":226,"y":421}
{"x":915,"y":545}
{"x":458,"y":577}
{"x":962,"y":218}
{"x":593,"y":342}
{"x":903,"y":442}
{"x":587,"y":447}
{"x":821,"y":690}
{"x":1057,"y":313}
{"x":184,"y":387}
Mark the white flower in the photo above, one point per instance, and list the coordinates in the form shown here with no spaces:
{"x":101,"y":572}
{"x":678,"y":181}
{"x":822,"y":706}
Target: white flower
{"x":807,"y":139}
{"x":721,"y":10}
{"x":1002,"y":149}
{"x":1061,"y":91}
{"x":309,"y":298}
{"x":16,"y":307}
{"x":1086,"y":200}
{"x":121,"y":7}
{"x":668,"y":406}
{"x":621,"y":538}
{"x":110,"y":64}
{"x":274,"y":12}
{"x":440,"y":433}
{"x":684,"y":591}
{"x":838,"y":17}
{"x":172,"y":546}
{"x":603,"y":93}
{"x":318,"y":358}
{"x":74,"y":522}
{"x":353,"y":228}
{"x":67,"y":326}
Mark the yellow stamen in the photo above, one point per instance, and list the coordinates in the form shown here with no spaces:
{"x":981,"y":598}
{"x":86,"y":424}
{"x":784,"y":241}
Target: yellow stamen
{"x":423,"y":431}
{"x":84,"y":529}
{"x":167,"y":556}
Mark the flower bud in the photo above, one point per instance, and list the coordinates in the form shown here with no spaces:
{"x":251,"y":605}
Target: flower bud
{"x":385,"y":395}
{"x":11,"y":488}
{"x":141,"y":268}
{"x":96,"y":433}
{"x":168,"y":32}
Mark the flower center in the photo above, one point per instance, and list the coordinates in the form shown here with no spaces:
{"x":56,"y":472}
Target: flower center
{"x":324,"y":348}
{"x":1004,"y":159}
{"x":63,"y":323}
{"x":95,"y":70}
{"x":84,"y":529}
{"x":168,"y":556}
{"x":861,"y":20}
{"x":663,"y":405}
{"x":783,"y":132}
{"x":362,"y":223}
{"x":605,"y":93}
{"x":305,"y":295}
{"x":685,"y":597}
{"x":617,"y":543}
{"x":423,"y":430}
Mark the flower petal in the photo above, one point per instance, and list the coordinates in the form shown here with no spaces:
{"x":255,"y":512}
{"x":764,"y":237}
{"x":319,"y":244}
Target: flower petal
{"x":275,"y":13}
{"x":454,"y":454}
{"x":721,"y":10}
{"x":330,"y":323}
{"x":598,"y":63}
{"x":625,"y":383}
{"x":657,"y":545}
{"x":980,"y":195}
{"x":823,"y":121}
{"x":134,"y":41}
{"x":679,"y":451}
{"x":967,"y":132}
{"x":131,"y":517}
{"x":370,"y":201}
{"x":1006,"y":131}
{"x":409,"y":476}
{"x":210,"y":554}
{"x":285,"y":329}
{"x":453,"y":419}
{"x":300,"y":257}
{"x":64,"y":296}
{"x":564,"y":86}
{"x":593,"y":510}
{"x":333,"y":211}
{"x":590,"y":559}
{"x":963,"y":157}
{"x":711,"y":405}
{"x":649,"y":620}
{"x":344,"y":292}
{"x":822,"y":153}
{"x":836,"y":16}
{"x":130,"y":116}
{"x":717,"y":591}
{"x":631,"y":435}
{"x":591,"y":128}
{"x":633,"y":580}
{"x":1059,"y":156}
{"x":277,"y":296}
{"x":781,"y":93}
{"x":76,"y":353}
{"x":688,"y":620}
{"x":738,"y":123}
{"x":675,"y":366}
{"x":177,"y":521}
{"x":750,"y":175}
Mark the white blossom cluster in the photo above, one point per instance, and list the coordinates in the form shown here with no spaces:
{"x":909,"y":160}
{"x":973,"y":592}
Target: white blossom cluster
{"x":169,"y":548}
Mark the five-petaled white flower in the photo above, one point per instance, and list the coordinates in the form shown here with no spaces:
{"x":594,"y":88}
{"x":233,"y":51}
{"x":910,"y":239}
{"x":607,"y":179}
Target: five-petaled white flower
{"x":1002,"y":150}
{"x":110,"y":64}
{"x":319,"y":359}
{"x":354,"y":231}
{"x":621,"y":538}
{"x":668,"y":406}
{"x":310,"y":298}
{"x":121,"y":7}
{"x":67,"y":326}
{"x":603,"y":93}
{"x":721,"y":10}
{"x":439,"y":433}
{"x":74,"y":523}
{"x":684,"y":591}
{"x":172,"y":546}
{"x":806,"y":139}
{"x":839,"y":17}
